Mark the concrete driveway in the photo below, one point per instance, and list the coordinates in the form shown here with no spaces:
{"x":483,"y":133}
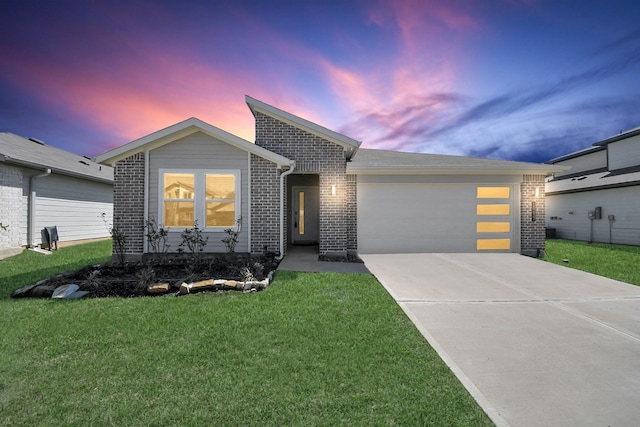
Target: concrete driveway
{"x":536,"y":344}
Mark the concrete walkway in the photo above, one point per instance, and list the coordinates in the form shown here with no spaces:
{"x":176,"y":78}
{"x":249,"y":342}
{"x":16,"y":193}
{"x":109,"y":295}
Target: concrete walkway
{"x":305,"y":258}
{"x":536,"y":344}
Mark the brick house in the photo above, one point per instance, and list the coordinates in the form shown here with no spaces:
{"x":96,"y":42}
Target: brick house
{"x":301,"y":183}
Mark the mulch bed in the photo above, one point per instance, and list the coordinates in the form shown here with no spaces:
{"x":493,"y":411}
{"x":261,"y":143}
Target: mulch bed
{"x":349,"y":258}
{"x":132,"y":280}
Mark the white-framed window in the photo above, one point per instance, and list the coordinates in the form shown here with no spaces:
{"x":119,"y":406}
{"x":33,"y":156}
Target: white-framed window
{"x":209,"y":197}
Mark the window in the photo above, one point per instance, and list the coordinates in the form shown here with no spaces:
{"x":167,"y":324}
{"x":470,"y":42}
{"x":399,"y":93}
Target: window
{"x":179,"y":199}
{"x":221,"y":200}
{"x":209,"y":197}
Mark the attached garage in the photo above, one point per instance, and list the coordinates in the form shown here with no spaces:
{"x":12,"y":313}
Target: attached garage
{"x":414,"y":216}
{"x":413,"y":203}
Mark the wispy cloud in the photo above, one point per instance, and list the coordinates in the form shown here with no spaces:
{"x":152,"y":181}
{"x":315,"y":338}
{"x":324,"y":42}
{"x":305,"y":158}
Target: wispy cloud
{"x":439,"y":115}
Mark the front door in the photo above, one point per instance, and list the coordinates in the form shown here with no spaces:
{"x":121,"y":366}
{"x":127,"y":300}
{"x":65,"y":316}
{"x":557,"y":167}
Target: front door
{"x":304,"y":221}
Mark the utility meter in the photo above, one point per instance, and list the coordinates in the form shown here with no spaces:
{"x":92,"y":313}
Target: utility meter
{"x":598,"y":213}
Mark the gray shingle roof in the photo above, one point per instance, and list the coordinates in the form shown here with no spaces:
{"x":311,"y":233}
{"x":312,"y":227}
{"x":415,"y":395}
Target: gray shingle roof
{"x":26,"y":152}
{"x":575,"y":154}
{"x":593,"y":181}
{"x":623,"y":135}
{"x":395,"y":162}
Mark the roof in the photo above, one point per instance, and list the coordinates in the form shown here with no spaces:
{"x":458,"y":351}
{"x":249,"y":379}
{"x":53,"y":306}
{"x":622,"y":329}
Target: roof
{"x":369,"y":161}
{"x":350,"y":144}
{"x":594,"y":181}
{"x":597,"y":146}
{"x":575,"y":154}
{"x":181,"y":130}
{"x":35,"y":154}
{"x":622,"y":135}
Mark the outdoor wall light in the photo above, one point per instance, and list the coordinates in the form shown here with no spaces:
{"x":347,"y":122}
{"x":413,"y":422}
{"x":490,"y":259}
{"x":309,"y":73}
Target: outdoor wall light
{"x":333,"y":190}
{"x":537,"y":192}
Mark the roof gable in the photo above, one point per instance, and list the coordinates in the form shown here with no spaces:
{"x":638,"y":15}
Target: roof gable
{"x":180,"y":130}
{"x":350,"y":144}
{"x":35,"y":154}
{"x":370,"y":161}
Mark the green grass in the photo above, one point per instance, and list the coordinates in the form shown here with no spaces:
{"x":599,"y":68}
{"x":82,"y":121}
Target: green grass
{"x":29,"y":267}
{"x":313,"y":349}
{"x":617,"y":262}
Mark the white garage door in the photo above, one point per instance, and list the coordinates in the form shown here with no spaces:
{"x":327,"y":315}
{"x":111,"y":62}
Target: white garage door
{"x":412,"y":218}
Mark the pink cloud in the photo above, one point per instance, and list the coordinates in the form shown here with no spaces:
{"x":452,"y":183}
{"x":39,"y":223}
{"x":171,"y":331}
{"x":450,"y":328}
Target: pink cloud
{"x":141,"y":94}
{"x":409,"y":89}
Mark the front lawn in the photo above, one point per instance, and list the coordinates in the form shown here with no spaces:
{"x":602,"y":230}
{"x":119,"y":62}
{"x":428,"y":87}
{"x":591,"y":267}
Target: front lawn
{"x":29,"y":267}
{"x":312,"y":349}
{"x":618,"y":262}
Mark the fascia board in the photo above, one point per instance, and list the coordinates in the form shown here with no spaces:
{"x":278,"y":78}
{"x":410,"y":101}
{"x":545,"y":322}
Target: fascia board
{"x":181,"y":130}
{"x":55,"y":170}
{"x":448,"y":171}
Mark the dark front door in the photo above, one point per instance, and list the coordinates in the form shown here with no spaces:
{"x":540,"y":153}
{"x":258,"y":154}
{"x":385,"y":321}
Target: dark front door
{"x":305,"y":215}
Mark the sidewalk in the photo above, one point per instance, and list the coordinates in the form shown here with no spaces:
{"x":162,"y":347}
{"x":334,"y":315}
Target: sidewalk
{"x":305,"y":259}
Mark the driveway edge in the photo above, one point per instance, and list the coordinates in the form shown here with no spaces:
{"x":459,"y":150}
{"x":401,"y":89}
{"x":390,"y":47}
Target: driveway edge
{"x":477,"y":395}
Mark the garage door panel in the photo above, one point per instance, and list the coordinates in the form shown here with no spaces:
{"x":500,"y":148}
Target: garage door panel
{"x":411,"y":218}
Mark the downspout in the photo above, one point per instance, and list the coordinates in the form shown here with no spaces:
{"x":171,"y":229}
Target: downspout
{"x":145,"y":239}
{"x":282,"y":176}
{"x":31,"y":223}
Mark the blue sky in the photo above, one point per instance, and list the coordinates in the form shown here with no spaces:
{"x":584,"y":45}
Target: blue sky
{"x":505,"y":79}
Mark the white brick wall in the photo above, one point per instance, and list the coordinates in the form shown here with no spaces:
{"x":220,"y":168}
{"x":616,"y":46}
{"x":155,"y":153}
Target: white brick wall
{"x":13,"y":207}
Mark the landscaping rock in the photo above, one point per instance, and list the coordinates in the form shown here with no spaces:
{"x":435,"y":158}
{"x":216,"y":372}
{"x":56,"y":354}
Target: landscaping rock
{"x":184,"y":289}
{"x":202,"y":285}
{"x":64,"y":291}
{"x":24,"y":292}
{"x":230,"y":284}
{"x":43,"y":291}
{"x":158,"y":288}
{"x":78,"y":294}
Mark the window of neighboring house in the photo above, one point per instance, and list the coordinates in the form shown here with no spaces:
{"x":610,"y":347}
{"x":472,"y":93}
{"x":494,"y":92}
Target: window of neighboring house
{"x":209,"y":197}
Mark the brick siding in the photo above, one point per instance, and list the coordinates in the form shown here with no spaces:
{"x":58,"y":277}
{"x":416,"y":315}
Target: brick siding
{"x":532,"y":228}
{"x":128,"y":202}
{"x":352,"y":213}
{"x":312,"y":153}
{"x":265,"y":206}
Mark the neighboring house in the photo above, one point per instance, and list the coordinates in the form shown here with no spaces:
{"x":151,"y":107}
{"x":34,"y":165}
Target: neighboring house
{"x":301,"y":183}
{"x":598,"y":198}
{"x":42,"y":186}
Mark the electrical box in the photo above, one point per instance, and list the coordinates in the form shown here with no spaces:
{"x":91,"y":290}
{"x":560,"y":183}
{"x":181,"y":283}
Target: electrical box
{"x":592,"y":214}
{"x":598,"y":213}
{"x":612,"y":218}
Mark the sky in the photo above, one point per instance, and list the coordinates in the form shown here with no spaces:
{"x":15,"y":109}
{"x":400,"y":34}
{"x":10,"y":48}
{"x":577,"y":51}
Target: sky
{"x":525,"y":80}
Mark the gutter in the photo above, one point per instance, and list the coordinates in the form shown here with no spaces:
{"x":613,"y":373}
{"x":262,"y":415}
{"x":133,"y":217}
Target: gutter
{"x":31,"y":222}
{"x":282,"y":176}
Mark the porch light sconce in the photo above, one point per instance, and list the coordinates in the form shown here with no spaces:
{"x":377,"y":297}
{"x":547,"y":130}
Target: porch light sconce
{"x":333,"y":190}
{"x":537,"y":192}
{"x":533,"y":211}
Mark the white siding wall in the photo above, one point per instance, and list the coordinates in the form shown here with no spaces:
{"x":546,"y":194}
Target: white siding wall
{"x":625,"y":153}
{"x":73,"y":205}
{"x":13,"y":207}
{"x":575,"y":224}
{"x":584,"y":163}
{"x":199,"y":151}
